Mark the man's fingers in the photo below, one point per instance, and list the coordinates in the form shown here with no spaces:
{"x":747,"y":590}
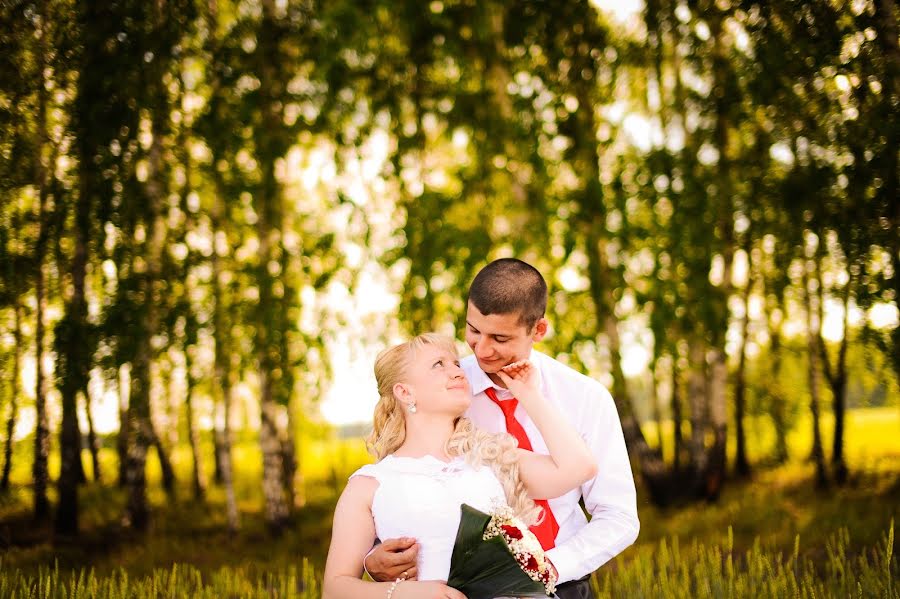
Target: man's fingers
{"x":412,"y":573}
{"x":399,"y":544}
{"x":403,"y":560}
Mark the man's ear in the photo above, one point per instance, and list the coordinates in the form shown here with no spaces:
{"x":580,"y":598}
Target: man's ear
{"x":541,"y":327}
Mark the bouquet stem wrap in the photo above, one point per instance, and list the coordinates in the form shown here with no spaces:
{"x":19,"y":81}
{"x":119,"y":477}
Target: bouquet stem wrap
{"x":483,"y":568}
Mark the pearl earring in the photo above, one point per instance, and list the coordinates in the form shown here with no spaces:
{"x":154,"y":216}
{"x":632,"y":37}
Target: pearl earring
{"x":411,"y":406}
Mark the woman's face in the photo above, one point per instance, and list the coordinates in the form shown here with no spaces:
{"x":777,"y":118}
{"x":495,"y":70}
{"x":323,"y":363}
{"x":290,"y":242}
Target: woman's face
{"x":435,"y":382}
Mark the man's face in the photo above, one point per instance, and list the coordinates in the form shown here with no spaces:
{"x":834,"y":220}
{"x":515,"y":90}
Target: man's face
{"x":500,"y":339}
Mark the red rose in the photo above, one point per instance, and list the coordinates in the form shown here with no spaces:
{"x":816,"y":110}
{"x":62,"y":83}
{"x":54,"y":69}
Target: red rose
{"x":531,"y":563}
{"x":511,"y":531}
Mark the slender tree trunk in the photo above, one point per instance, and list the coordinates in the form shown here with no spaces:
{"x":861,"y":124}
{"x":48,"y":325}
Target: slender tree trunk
{"x":601,"y":291}
{"x":72,"y":335}
{"x":741,"y":463}
{"x":718,"y":368}
{"x":92,"y":441}
{"x":39,"y":471}
{"x":231,"y":511}
{"x":142,"y":435}
{"x":218,"y":434}
{"x":812,"y":328}
{"x":223,"y":365}
{"x":836,"y":377}
{"x":124,"y":375}
{"x":677,"y":416}
{"x":42,"y":433}
{"x":193,"y":436}
{"x":776,"y":396}
{"x":165,"y":368}
{"x":165,"y":464}
{"x":14,"y":395}
{"x":718,"y":382}
{"x":273,"y":467}
{"x":269,"y":232}
{"x":697,"y":399}
{"x":80,"y":474}
{"x":657,"y":409}
{"x":289,"y":451}
{"x":221,"y":332}
{"x":169,"y":438}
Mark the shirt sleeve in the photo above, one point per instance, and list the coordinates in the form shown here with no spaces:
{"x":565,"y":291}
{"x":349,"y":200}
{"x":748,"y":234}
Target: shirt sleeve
{"x":609,"y":497}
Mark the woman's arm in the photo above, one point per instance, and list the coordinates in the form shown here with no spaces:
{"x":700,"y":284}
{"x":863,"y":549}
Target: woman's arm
{"x":570,"y":462}
{"x":352,"y":535}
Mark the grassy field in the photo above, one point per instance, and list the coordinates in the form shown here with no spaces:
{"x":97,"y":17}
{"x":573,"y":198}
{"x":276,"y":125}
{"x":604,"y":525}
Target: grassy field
{"x":773,"y":535}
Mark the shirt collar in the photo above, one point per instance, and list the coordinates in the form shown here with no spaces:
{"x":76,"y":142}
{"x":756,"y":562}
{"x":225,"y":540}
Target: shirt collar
{"x":479,"y":380}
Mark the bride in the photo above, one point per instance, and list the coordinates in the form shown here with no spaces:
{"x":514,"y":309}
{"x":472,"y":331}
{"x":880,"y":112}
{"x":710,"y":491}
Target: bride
{"x":432,"y":460}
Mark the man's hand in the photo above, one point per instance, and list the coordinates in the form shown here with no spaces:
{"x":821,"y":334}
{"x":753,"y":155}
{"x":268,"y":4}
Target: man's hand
{"x":393,"y":559}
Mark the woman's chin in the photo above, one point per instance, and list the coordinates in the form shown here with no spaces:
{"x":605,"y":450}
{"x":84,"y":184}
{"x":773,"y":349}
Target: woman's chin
{"x":462,"y":406}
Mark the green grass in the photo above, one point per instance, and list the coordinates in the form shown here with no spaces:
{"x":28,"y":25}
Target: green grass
{"x":774,"y":535}
{"x":670,"y":571}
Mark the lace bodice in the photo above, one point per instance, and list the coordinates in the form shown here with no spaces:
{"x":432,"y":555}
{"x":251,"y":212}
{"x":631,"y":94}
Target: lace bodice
{"x":421,"y":497}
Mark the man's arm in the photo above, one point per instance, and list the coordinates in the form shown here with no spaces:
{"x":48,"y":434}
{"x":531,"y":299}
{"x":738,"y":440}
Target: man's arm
{"x":392,"y":559}
{"x":609,"y":497}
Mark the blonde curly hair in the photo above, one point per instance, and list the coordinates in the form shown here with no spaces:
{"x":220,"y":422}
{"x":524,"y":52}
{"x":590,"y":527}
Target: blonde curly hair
{"x":498,"y":451}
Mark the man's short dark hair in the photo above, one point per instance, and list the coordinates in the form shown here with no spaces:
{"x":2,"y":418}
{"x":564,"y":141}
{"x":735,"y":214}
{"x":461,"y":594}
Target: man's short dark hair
{"x":510,"y":286}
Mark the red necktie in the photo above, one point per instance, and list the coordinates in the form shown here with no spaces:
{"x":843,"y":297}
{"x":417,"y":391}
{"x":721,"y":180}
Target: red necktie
{"x":547,"y":529}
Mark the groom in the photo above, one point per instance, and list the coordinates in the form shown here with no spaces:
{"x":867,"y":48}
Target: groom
{"x":504,"y":319}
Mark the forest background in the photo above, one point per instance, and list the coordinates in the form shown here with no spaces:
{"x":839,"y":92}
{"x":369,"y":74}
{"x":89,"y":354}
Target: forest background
{"x":213,"y":214}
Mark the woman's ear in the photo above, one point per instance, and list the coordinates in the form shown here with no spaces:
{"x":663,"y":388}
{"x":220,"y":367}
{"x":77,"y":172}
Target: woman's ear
{"x":401,"y":392}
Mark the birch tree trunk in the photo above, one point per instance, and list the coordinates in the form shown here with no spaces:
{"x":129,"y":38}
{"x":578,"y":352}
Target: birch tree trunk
{"x":14,"y":395}
{"x":776,"y":395}
{"x":197,"y":478}
{"x":836,"y":376}
{"x":812,"y":327}
{"x":140,"y":425}
{"x":718,"y":367}
{"x":39,"y":471}
{"x":741,"y":463}
{"x":221,"y":326}
{"x":677,"y":416}
{"x":269,"y":232}
{"x":697,"y":400}
{"x":123,"y":385}
{"x":92,"y":441}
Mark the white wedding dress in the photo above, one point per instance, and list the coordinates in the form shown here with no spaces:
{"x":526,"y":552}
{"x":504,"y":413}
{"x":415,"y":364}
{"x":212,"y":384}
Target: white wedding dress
{"x":421,"y":498}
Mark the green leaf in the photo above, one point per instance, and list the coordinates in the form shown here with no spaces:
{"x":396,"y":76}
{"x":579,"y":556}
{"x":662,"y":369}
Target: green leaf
{"x":486,"y":569}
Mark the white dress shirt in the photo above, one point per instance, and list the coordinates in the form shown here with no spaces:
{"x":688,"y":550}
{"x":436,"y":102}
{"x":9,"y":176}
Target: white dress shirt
{"x":582,"y":546}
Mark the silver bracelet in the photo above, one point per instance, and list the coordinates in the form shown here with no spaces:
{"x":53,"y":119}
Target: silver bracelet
{"x":394,"y":586}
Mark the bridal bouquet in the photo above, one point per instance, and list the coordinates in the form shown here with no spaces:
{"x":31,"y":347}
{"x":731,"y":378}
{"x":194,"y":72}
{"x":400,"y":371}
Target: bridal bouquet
{"x":495,"y":555}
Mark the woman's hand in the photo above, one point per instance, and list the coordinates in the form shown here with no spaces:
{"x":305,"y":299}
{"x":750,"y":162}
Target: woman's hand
{"x":431,"y":589}
{"x":522,"y":379}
